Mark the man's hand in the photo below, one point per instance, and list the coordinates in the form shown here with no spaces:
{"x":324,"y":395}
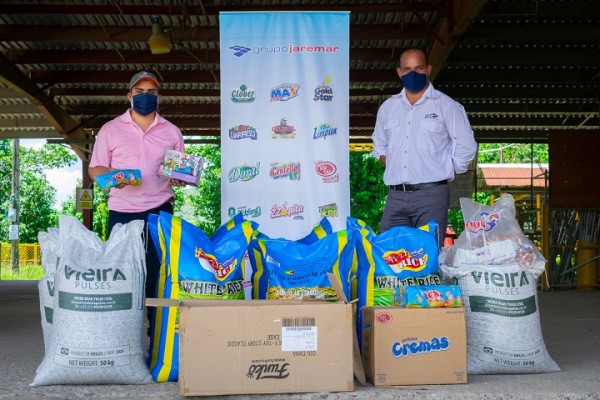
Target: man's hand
{"x":177,"y":182}
{"x":382,"y":159}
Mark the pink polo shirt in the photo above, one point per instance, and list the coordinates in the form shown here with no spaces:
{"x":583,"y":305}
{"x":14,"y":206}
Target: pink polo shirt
{"x":121,"y":144}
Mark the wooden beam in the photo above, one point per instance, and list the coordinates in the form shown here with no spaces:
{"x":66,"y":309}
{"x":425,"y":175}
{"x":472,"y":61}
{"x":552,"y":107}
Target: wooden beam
{"x":12,"y":77}
{"x":464,"y":13}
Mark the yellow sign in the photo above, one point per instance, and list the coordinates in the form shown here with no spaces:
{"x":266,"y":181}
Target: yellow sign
{"x":84,"y":199}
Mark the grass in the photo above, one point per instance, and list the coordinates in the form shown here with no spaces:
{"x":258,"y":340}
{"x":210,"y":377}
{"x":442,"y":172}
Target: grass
{"x":26,"y":273}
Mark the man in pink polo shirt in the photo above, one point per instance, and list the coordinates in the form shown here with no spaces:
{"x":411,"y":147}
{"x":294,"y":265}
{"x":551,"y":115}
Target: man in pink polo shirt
{"x":138,"y":139}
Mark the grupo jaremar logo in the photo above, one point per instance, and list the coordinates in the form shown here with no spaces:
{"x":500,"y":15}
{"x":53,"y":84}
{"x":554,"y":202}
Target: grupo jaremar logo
{"x":240,"y":51}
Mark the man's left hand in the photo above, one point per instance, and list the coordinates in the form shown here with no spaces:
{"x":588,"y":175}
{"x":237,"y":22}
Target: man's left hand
{"x":177,"y":182}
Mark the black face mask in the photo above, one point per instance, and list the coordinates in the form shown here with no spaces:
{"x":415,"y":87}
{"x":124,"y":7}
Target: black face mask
{"x":144,"y":103}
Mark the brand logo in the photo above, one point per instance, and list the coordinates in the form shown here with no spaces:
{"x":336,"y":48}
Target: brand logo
{"x":431,"y":116}
{"x":327,"y":170}
{"x":239,"y":51}
{"x":509,"y":280}
{"x":412,"y":347}
{"x":285,"y":210}
{"x":243,"y":94}
{"x":50,"y":286}
{"x":404,"y":260}
{"x":384,"y":318}
{"x":242,"y":132}
{"x":324,"y":130}
{"x":329,"y":210}
{"x":283,"y":130}
{"x":285,"y":91}
{"x":100,"y":275}
{"x":247,"y":212}
{"x":274,"y":370}
{"x":290,"y":170}
{"x":243,"y":173}
{"x":324,"y":92}
{"x":486,"y":223}
{"x":210,"y":264}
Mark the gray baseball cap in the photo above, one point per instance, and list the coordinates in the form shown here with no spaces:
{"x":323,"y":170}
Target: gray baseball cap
{"x":142,"y":75}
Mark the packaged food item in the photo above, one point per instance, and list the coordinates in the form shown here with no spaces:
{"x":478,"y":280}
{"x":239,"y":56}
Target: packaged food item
{"x":431,"y":296}
{"x":119,"y":176}
{"x":182,"y":166}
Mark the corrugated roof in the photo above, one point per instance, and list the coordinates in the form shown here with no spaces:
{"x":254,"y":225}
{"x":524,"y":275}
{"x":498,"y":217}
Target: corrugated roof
{"x":514,"y":175}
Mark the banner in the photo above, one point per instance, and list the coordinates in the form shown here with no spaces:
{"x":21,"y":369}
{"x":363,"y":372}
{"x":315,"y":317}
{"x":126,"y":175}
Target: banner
{"x":285,"y":119}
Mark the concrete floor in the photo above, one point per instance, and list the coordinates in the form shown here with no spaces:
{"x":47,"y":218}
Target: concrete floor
{"x":570,"y":324}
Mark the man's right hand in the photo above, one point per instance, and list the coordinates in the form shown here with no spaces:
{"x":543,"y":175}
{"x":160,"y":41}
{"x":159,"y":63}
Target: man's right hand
{"x":382,"y":159}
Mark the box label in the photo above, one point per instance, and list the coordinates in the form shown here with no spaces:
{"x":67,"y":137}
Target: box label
{"x":298,"y":334}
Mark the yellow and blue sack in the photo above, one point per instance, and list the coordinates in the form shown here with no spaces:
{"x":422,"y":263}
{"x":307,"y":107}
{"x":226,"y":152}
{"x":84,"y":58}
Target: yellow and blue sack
{"x":192,"y":266}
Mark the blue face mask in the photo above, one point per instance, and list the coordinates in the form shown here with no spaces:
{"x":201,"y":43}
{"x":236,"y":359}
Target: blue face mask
{"x":414,"y":81}
{"x":144,"y":103}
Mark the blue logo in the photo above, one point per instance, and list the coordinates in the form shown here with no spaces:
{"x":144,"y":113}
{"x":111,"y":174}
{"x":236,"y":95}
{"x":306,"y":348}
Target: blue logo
{"x":411,"y":347}
{"x":240,"y":50}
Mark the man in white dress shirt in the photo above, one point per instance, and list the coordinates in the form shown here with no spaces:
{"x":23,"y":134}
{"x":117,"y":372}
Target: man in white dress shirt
{"x":423,"y":138}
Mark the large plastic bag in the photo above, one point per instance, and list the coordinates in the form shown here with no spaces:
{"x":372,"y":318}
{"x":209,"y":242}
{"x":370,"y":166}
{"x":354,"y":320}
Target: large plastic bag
{"x":497,"y":267}
{"x":49,"y":248}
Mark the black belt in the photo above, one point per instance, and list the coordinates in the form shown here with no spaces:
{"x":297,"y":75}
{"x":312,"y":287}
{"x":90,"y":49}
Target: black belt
{"x":407,"y":187}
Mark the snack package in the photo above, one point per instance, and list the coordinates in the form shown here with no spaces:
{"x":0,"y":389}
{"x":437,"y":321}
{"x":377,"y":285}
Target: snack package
{"x":118,"y":176}
{"x":431,"y":296}
{"x":192,"y":266}
{"x":182,"y":166}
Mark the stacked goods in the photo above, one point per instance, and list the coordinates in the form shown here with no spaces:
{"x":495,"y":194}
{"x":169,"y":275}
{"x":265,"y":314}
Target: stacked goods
{"x":287,"y":269}
{"x":97,"y":309}
{"x":192,"y":267}
{"x":497,"y":268}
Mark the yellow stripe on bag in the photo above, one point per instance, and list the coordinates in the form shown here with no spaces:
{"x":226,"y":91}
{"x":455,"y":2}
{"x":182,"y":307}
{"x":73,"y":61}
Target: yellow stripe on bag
{"x":158,"y":315}
{"x":174,"y":246}
{"x":342,"y":240}
{"x":371,"y":274}
{"x":320,"y":231}
{"x":260,"y":269}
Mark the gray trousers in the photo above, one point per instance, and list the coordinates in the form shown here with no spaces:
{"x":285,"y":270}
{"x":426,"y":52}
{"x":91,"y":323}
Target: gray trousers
{"x":417,"y":209}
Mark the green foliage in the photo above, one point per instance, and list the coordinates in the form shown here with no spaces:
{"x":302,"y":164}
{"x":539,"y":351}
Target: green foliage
{"x":205,"y":200}
{"x":367,"y":190}
{"x":512,"y":153}
{"x":36,"y":196}
{"x":26,"y":273}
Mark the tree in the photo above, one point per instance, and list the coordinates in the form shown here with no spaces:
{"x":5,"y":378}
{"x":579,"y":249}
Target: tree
{"x":367,"y":190}
{"x":36,"y":195}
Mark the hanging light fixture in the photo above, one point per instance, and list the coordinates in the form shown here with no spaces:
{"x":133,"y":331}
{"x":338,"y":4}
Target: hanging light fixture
{"x":159,"y":42}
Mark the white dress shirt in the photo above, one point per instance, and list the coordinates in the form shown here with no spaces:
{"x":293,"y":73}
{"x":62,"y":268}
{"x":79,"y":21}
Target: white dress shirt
{"x":429,"y":141}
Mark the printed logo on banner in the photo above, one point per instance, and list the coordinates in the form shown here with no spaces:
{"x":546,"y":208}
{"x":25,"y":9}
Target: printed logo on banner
{"x":329,"y":210}
{"x":328,"y":171}
{"x":289,"y":170}
{"x":239,"y":51}
{"x":243,"y":95}
{"x":239,"y":132}
{"x":324,"y":92}
{"x":285,"y":91}
{"x":294,"y":211}
{"x":324,"y":130}
{"x":243,"y":173}
{"x":283,"y":130}
{"x":247,"y":212}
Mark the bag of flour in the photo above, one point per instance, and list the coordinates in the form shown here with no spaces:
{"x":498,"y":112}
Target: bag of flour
{"x":98,"y":309}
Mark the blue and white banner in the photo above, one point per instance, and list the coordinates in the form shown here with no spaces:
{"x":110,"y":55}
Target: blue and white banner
{"x":285,"y":119}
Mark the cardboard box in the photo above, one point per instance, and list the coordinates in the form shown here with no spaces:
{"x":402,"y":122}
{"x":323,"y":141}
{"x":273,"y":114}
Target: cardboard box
{"x":414,"y":346}
{"x":242,"y":347}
